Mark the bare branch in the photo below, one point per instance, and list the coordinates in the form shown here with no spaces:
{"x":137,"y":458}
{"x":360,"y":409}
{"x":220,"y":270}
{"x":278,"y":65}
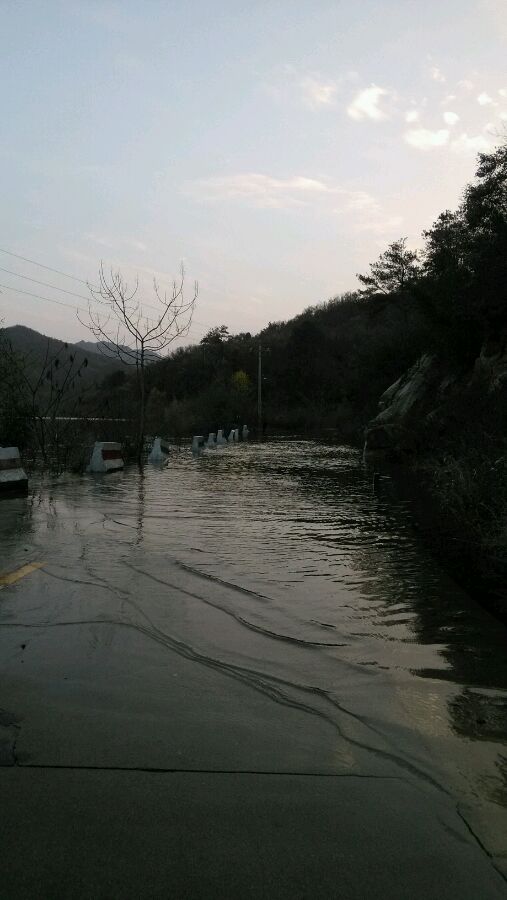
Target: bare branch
{"x":125,"y":332}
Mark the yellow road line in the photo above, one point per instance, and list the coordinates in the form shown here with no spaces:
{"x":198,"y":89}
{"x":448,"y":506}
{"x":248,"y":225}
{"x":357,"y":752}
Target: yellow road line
{"x":12,"y":577}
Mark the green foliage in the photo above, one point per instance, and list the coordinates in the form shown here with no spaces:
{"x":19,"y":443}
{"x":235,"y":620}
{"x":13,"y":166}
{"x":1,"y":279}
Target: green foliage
{"x":241,"y":382}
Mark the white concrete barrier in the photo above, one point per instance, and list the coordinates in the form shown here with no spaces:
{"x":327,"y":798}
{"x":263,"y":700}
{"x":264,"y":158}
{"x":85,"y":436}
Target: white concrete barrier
{"x":221,"y":439}
{"x":197,"y":444}
{"x":211,"y":442}
{"x":245,"y":432}
{"x":106,"y":457}
{"x":13,"y":477}
{"x":231,"y":437}
{"x":160,"y":451}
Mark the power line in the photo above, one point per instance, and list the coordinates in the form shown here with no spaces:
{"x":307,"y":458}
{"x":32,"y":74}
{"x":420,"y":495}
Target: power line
{"x":39,"y":297}
{"x":44,"y":284}
{"x":64,"y":291}
{"x":91,"y":299}
{"x":62,"y":303}
{"x":65,"y":275}
{"x":42,"y":266}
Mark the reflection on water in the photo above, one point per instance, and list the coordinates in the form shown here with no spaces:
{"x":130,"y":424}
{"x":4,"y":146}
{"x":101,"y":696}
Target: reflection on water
{"x":323,"y":560}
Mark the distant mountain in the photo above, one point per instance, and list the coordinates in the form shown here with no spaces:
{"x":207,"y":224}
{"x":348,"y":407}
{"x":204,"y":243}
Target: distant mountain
{"x":36,"y":347}
{"x":88,"y":346}
{"x":91,"y":347}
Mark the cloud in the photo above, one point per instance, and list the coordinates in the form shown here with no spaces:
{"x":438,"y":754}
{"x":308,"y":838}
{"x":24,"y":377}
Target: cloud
{"x":466,"y":84}
{"x":317,"y":93}
{"x":370,"y":215}
{"x":266,"y":192}
{"x":365,"y":104}
{"x":503,"y":92}
{"x":362,"y":202}
{"x":411,"y":116}
{"x":361,"y":211}
{"x":485,"y":100}
{"x":424,"y":139}
{"x":288,"y":85}
{"x":450,"y":118}
{"x":436,"y":74}
{"x":470,"y":145}
{"x":259,"y":190}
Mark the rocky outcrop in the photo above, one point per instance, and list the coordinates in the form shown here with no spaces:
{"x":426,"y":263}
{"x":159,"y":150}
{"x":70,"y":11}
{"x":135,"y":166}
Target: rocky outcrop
{"x":431,"y":397}
{"x":404,"y":407}
{"x":491,"y":365}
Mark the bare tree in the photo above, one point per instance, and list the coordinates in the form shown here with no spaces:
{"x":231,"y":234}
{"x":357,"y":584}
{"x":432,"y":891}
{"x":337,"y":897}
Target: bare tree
{"x":124,"y":331}
{"x":42,"y":394}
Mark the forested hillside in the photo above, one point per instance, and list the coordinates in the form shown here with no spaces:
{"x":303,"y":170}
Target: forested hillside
{"x":36,"y":348}
{"x":436,"y":320}
{"x":324,"y":368}
{"x":438,"y":314}
{"x":328,"y":366}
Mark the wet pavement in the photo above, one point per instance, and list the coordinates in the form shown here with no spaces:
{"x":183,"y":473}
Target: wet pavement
{"x":244,"y":675}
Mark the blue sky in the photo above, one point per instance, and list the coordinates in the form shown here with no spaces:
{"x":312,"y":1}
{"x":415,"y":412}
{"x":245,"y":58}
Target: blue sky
{"x":276,"y":147}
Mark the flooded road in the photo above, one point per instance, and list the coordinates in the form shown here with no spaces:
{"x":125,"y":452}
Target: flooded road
{"x":259,"y":609}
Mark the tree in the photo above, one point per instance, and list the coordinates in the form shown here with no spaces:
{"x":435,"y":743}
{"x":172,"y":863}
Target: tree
{"x":156,"y":412}
{"x":395,"y":269}
{"x":216,"y":335}
{"x":14,"y":411}
{"x":447,"y":294}
{"x":124,"y":331}
{"x":464,"y":288}
{"x":240,"y":382}
{"x":44,"y":394}
{"x":485,"y":213}
{"x":446,"y":246}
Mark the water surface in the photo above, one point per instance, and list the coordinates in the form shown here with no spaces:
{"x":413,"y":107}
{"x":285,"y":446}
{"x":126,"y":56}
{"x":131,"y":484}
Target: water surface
{"x":259,"y":608}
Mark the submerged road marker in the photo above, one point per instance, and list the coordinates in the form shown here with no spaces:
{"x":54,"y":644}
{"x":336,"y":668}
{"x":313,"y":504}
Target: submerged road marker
{"x":12,"y":577}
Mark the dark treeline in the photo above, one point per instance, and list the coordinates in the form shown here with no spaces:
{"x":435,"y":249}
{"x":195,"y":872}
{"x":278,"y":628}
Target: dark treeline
{"x":328,"y":366}
{"x":324,"y":368}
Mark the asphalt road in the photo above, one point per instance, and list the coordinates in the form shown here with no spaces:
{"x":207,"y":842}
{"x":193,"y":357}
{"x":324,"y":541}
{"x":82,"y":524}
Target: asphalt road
{"x":186,"y":712}
{"x":74,"y":833}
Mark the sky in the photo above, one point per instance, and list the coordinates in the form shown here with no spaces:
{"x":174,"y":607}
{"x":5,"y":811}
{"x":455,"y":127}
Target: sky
{"x":275,"y":147}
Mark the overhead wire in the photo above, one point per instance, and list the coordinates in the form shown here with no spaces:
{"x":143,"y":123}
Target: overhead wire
{"x":68,"y":305}
{"x":42,"y":266}
{"x":8,"y":287}
{"x":65,"y":275}
{"x":44,"y":284}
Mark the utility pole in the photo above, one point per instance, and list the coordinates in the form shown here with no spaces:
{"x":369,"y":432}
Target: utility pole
{"x":259,"y":393}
